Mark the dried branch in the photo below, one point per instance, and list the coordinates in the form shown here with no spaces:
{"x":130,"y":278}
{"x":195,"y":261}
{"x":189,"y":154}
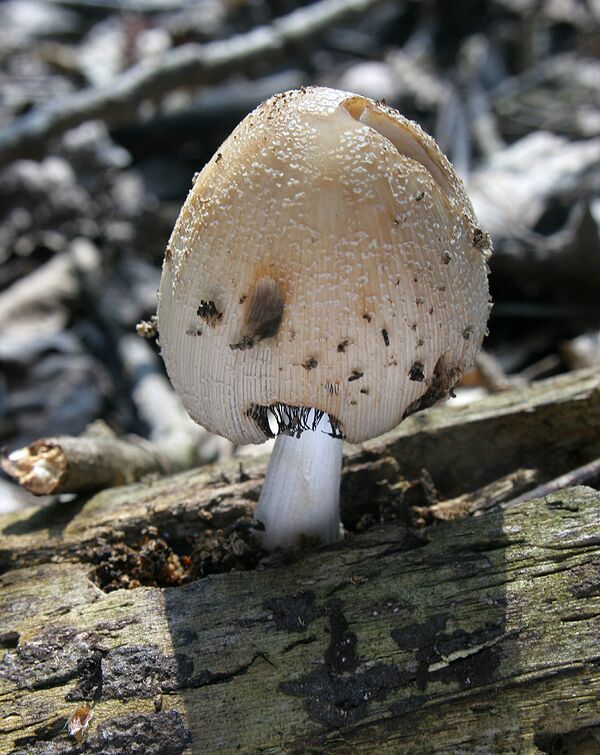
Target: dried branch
{"x":585,"y":473}
{"x":95,"y":460}
{"x":480,"y":500}
{"x":188,"y":65}
{"x":49,"y":287}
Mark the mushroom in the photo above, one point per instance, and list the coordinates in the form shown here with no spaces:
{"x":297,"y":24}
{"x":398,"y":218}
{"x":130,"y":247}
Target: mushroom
{"x":326,"y":277}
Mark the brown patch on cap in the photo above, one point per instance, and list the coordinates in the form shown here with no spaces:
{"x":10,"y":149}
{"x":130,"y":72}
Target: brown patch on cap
{"x":245,"y":343}
{"x":310,"y":364}
{"x":264,"y":308}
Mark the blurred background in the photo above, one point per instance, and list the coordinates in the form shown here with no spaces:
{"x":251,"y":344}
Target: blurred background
{"x":109,"y":107}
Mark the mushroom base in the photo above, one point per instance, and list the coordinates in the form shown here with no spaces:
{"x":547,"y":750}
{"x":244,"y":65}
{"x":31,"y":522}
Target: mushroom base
{"x":300,"y":497}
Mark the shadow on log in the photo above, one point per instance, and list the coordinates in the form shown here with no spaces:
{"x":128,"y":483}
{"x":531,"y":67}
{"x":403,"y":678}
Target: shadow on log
{"x":474,"y":635}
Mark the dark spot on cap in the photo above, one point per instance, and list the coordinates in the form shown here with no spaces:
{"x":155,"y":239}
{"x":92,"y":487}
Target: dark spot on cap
{"x":443,"y":381}
{"x":367,"y":316}
{"x":481,"y":240}
{"x":446,"y":257}
{"x":310,"y":364}
{"x":264,"y":308}
{"x":419,"y":300}
{"x":356,"y":375}
{"x":218,"y":157}
{"x":441,"y":288}
{"x":243,"y":298}
{"x":208,"y":312}
{"x":430,"y":310}
{"x":386,"y":338}
{"x":343,"y":345}
{"x":467,"y":332}
{"x":416,"y":372}
{"x":364,"y":391}
{"x":353,"y":403}
{"x":419,"y":196}
{"x":192,"y":332}
{"x":245,"y":343}
{"x":168,"y":253}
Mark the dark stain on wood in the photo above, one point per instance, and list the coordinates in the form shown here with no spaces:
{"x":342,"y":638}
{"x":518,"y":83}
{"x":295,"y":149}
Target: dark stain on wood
{"x":419,"y":635}
{"x":340,"y":654}
{"x":385,"y":335}
{"x":9,"y":640}
{"x":337,"y":694}
{"x":356,"y":375}
{"x":293,"y":613}
{"x":310,"y":364}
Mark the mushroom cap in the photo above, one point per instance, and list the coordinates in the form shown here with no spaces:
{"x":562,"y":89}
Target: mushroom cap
{"x":326,"y":257}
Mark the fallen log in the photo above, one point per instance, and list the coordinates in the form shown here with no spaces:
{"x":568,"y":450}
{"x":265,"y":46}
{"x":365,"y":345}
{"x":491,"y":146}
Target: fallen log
{"x":471,"y":635}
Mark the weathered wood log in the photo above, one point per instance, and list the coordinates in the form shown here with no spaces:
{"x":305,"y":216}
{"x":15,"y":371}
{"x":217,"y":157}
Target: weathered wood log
{"x":476,"y":636}
{"x":552,"y":427}
{"x":479,"y":635}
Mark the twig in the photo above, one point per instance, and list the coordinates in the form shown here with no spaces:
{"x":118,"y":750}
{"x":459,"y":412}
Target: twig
{"x":492,"y":374}
{"x":93,"y":461}
{"x":480,"y":500}
{"x":49,"y":287}
{"x":185,"y":66}
{"x":99,"y":459}
{"x":587,"y":472}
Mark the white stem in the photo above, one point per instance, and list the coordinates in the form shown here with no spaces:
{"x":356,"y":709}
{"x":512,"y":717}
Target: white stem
{"x":300,"y":497}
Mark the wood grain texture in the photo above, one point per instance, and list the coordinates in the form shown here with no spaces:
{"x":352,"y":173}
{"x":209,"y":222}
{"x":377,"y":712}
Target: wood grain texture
{"x":473,"y":636}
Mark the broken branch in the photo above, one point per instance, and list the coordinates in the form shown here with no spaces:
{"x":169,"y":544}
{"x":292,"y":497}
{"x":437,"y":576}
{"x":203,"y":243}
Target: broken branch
{"x":188,"y":65}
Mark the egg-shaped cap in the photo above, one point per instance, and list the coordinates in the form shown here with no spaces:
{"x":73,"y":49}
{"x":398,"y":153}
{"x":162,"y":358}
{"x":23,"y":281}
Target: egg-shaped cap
{"x":328,"y":258}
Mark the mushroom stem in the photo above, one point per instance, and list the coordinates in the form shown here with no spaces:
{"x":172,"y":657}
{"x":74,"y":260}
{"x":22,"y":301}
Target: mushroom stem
{"x":300,"y":497}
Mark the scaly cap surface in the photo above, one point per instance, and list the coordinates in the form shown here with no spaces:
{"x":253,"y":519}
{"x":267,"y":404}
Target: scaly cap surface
{"x":326,"y":257}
